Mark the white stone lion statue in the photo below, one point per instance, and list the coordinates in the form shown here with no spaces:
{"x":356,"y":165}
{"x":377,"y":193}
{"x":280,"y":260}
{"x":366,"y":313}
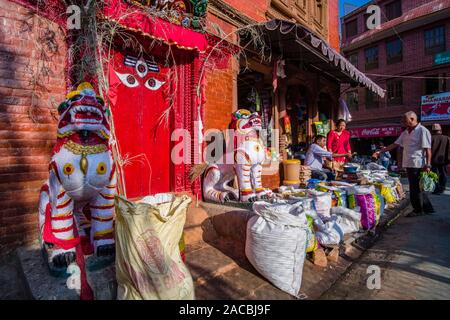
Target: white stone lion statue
{"x":247,"y":158}
{"x":76,"y":204}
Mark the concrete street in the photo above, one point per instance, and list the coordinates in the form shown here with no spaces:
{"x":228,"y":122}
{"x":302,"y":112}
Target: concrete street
{"x":413,"y":256}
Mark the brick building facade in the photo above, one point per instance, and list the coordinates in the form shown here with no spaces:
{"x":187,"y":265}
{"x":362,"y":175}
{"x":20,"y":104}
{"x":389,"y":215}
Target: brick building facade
{"x":32,"y":82}
{"x":399,"y":56}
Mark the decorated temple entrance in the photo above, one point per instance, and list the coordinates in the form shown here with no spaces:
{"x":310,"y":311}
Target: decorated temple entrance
{"x":152,"y":72}
{"x":138,"y":95}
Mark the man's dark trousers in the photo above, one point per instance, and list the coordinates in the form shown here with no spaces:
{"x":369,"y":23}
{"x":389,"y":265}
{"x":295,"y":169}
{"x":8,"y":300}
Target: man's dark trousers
{"x":441,"y":171}
{"x":419,"y":199}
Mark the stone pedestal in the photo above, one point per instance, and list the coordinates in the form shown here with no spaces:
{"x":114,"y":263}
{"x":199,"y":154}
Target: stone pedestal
{"x":43,"y":286}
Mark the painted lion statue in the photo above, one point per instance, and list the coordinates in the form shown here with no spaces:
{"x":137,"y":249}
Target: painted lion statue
{"x":76,"y":204}
{"x":247,"y":158}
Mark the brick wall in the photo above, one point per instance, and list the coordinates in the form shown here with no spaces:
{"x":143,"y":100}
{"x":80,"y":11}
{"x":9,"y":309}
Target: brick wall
{"x":27,"y":116}
{"x":219,"y":98}
{"x":255,"y":9}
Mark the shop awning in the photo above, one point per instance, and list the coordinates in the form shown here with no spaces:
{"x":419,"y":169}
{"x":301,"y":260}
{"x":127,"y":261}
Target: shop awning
{"x":376,"y":132}
{"x":296,"y":42}
{"x":137,"y":20}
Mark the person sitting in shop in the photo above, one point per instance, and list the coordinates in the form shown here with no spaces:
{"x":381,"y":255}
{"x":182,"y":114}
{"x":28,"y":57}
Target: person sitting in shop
{"x":315,"y":159}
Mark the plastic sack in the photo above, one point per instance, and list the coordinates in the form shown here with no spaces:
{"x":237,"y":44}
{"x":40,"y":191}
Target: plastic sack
{"x":277,"y":239}
{"x":364,"y":198}
{"x":322,"y":202}
{"x":428,"y":181}
{"x":387,"y":193}
{"x":148,"y":260}
{"x":366,"y":202}
{"x":312,"y":183}
{"x":338,"y":195}
{"x":312,"y":240}
{"x":341,"y":196}
{"x":349,"y":220}
{"x":375,"y":166}
{"x":330,"y":234}
{"x":351,"y":201}
{"x":377,"y":205}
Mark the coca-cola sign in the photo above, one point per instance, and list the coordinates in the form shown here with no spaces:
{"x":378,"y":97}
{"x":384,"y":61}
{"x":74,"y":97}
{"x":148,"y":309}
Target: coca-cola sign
{"x":375,"y":132}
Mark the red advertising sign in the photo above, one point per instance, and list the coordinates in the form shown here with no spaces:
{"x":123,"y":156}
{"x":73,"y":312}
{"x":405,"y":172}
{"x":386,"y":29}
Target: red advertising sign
{"x":375,"y":132}
{"x":436,"y":107}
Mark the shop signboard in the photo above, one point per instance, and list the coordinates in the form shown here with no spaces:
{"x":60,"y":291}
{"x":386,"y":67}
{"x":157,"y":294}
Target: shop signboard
{"x":436,"y":107}
{"x":375,"y":132}
{"x":442,"y":58}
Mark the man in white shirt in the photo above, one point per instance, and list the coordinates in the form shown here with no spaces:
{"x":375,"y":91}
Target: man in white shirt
{"x":314,"y":159}
{"x":416,"y":143}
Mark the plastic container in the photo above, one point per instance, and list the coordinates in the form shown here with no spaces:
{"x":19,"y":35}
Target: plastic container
{"x":291,"y":172}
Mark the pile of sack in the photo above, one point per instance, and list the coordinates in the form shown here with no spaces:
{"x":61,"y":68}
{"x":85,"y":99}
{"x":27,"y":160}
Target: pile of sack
{"x":302,"y":220}
{"x":282,"y":232}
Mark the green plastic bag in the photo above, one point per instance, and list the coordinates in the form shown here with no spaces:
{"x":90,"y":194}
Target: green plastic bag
{"x":428,"y":181}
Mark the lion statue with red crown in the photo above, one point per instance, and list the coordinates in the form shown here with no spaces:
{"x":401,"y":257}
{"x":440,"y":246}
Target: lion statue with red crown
{"x":76,"y":204}
{"x":247,"y":157}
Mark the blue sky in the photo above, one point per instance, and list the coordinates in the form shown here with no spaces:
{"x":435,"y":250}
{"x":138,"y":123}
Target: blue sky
{"x":357,"y":3}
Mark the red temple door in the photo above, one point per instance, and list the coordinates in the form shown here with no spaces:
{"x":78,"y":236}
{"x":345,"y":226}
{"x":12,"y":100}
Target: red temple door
{"x":138,"y":102}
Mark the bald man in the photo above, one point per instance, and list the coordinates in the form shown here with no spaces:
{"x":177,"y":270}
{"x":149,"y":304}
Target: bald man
{"x":416,"y":143}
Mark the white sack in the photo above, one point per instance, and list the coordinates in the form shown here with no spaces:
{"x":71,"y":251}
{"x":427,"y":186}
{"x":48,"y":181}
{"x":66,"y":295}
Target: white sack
{"x":277,"y":239}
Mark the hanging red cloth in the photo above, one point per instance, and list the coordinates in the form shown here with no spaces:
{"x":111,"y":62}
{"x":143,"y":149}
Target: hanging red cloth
{"x":131,"y":18}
